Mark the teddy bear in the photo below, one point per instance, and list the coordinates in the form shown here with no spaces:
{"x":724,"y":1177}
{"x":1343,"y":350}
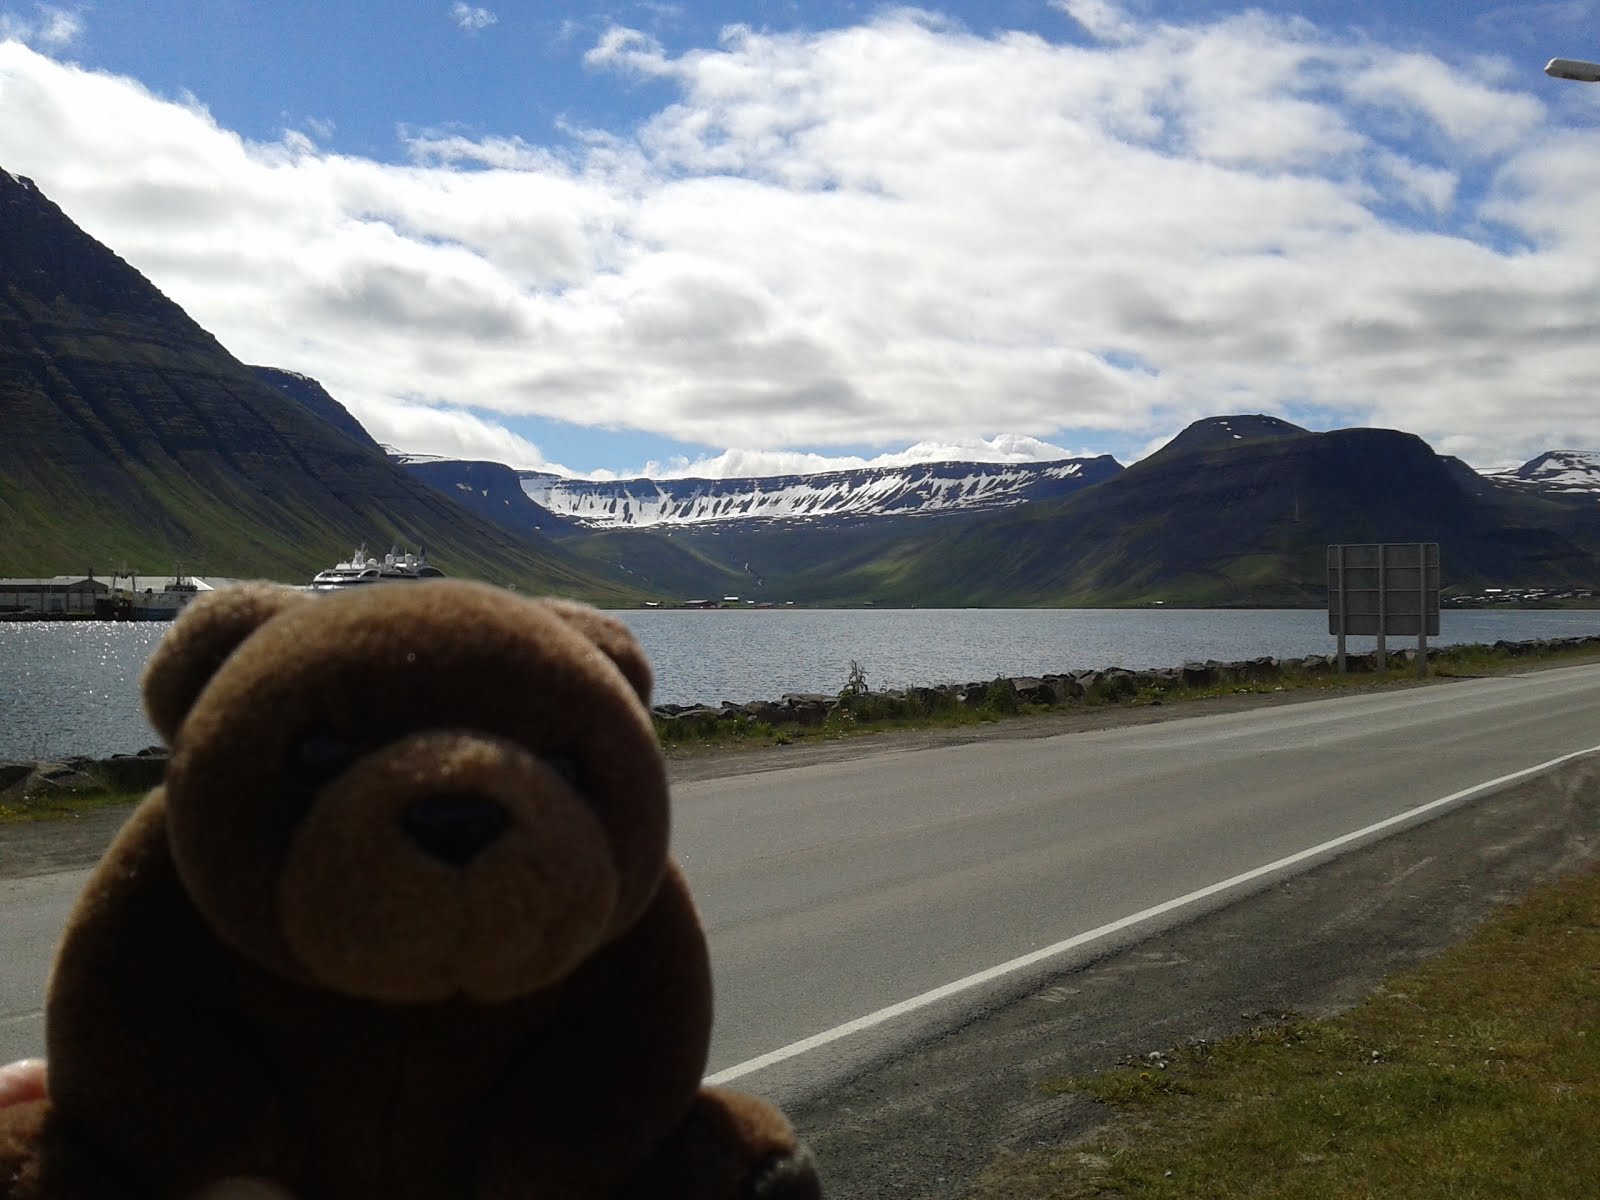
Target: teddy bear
{"x":399,"y":924}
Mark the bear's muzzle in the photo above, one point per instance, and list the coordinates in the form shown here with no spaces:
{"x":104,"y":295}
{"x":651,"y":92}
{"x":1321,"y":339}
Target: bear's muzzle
{"x":448,"y":864}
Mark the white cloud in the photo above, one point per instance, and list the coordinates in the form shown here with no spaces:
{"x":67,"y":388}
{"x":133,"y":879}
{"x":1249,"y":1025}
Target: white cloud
{"x":629,"y":48}
{"x":450,"y":433}
{"x":901,"y":233}
{"x":49,"y":28}
{"x":471,"y":18}
{"x":1479,"y":119}
{"x":1100,"y":19}
{"x":1423,"y":187}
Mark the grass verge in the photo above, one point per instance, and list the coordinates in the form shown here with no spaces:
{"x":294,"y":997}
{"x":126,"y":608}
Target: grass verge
{"x":1476,"y":1075}
{"x":60,"y":805}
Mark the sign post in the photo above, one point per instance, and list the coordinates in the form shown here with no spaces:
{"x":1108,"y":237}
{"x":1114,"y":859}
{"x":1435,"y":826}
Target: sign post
{"x":1382,"y":588}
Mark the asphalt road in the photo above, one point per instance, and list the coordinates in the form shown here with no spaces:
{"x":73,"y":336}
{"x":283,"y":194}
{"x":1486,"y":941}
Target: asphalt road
{"x":836,"y":891}
{"x":32,"y":911}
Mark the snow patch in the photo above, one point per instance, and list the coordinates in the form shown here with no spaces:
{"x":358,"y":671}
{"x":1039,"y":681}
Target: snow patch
{"x":875,"y":491}
{"x":1555,"y":471}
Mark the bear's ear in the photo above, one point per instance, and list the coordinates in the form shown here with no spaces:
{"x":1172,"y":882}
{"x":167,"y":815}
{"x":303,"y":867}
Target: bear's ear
{"x":615,"y":640}
{"x":205,"y":633}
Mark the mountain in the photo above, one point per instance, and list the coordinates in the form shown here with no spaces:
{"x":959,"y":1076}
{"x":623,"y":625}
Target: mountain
{"x":1211,"y":520}
{"x":1555,"y":471}
{"x":916,"y":490}
{"x":492,"y":490}
{"x":769,"y":538}
{"x":132,"y":437}
{"x":1235,"y":510}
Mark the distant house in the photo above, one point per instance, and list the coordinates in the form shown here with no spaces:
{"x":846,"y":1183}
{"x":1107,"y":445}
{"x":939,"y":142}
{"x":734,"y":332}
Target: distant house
{"x":57,"y":594}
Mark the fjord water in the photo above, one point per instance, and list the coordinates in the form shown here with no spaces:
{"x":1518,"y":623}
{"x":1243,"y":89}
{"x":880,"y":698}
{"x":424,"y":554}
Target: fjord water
{"x":72,"y":688}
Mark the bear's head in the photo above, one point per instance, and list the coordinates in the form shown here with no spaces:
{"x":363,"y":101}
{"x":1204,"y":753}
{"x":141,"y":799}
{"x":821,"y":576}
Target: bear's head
{"x":411,"y":792}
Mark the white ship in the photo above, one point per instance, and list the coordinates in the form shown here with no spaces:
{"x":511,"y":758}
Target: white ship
{"x":361,"y":569}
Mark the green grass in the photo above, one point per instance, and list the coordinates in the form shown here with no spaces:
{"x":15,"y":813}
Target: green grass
{"x":1477,"y":1075}
{"x":64,"y":805}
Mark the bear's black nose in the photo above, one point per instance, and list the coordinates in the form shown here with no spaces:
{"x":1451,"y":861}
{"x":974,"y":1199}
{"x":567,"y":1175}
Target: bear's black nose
{"x":454,"y":827}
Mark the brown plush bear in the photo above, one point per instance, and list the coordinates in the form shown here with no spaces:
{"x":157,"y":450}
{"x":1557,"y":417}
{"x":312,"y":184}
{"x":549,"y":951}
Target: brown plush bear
{"x":399,"y":924}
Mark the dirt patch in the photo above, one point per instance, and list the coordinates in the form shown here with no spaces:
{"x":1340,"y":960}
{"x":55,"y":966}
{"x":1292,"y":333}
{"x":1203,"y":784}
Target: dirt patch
{"x":67,"y":844}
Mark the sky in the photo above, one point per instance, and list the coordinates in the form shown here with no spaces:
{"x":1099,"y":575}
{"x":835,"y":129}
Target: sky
{"x":719,"y":239}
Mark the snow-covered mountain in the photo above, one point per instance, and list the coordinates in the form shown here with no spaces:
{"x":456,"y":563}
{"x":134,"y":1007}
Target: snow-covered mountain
{"x":1555,"y":471}
{"x":925,"y":488}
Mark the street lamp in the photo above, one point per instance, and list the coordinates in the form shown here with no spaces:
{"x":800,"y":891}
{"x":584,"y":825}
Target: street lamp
{"x":1573,"y":68}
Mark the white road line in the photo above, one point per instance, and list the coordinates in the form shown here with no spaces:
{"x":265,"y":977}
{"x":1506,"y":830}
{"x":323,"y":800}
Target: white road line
{"x":794,"y":1049}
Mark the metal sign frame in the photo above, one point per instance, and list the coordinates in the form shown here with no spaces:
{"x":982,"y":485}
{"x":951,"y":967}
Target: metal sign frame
{"x":1378,"y":589}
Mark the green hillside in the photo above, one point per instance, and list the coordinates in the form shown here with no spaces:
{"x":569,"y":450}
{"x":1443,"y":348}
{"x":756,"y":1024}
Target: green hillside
{"x":133,"y":438}
{"x":1245,"y":523}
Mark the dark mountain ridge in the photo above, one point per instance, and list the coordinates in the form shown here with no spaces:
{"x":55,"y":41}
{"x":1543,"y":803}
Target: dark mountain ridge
{"x":1235,"y":510}
{"x":492,"y":490}
{"x":1207,"y":521}
{"x":311,"y":395}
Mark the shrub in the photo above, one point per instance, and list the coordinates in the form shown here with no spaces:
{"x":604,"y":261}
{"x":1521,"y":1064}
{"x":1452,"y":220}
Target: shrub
{"x":1001,"y":698}
{"x":855,"y":683}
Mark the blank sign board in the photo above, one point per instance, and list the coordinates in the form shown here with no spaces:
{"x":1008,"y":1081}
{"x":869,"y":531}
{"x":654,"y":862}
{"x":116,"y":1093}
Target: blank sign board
{"x":1390,"y":588}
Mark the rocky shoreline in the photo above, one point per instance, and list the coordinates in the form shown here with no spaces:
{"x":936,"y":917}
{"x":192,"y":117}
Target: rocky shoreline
{"x":1106,"y":685}
{"x":35,"y":781}
{"x":38,"y":780}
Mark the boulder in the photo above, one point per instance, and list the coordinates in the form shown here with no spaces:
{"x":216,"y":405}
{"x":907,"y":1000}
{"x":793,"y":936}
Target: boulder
{"x":50,"y":778}
{"x":808,"y":709}
{"x":766,"y":710}
{"x":131,"y":772}
{"x":1256,"y":670}
{"x":1064,"y":688}
{"x":1030,"y":690}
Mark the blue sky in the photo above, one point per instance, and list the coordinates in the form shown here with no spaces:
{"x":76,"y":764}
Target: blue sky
{"x":747,"y":238}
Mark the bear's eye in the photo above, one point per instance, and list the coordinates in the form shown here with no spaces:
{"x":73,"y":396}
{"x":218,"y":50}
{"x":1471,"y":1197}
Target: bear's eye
{"x":566,"y":764}
{"x":320,"y":756}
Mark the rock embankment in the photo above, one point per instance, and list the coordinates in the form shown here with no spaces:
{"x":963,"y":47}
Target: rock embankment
{"x":30,"y":783}
{"x":1110,"y":685}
